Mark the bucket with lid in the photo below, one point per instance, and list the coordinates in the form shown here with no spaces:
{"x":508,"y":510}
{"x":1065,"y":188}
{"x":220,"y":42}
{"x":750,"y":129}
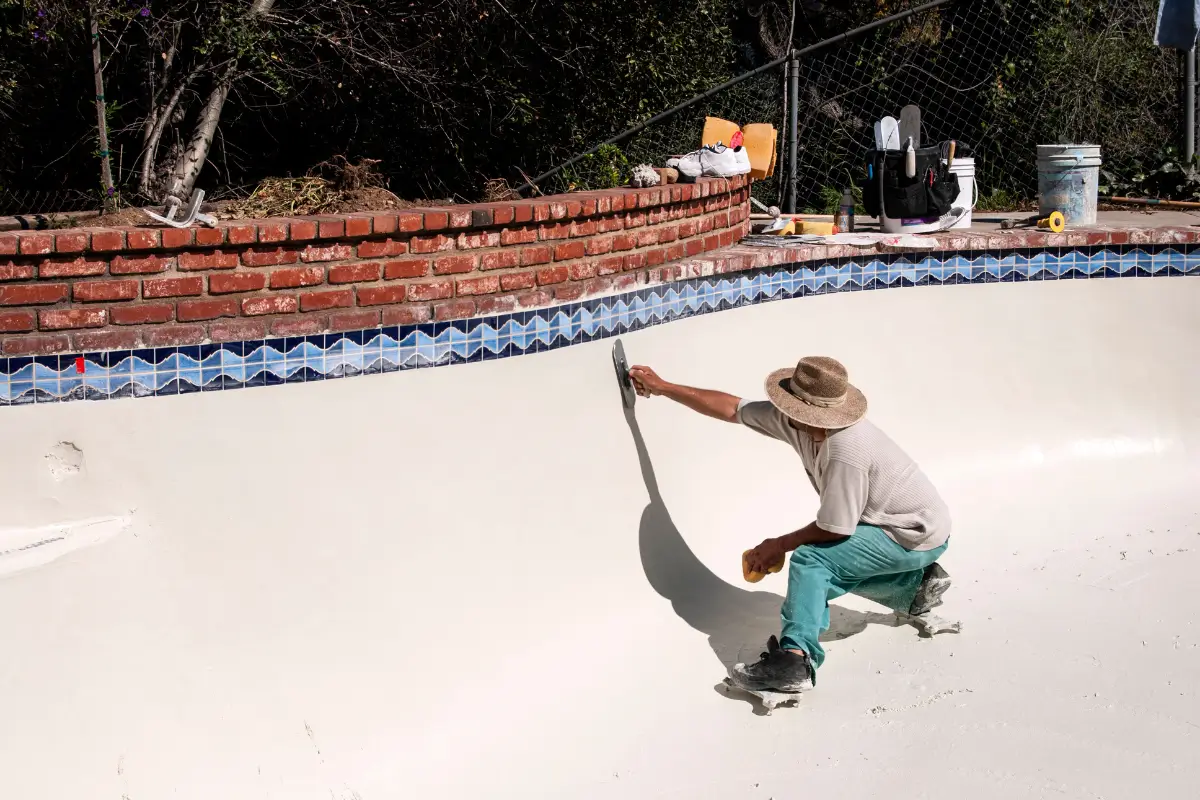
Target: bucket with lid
{"x":968,"y":191}
{"x":1068,"y":180}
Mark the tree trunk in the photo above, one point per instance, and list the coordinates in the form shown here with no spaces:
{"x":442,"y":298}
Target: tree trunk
{"x":106,"y":179}
{"x":191,"y":162}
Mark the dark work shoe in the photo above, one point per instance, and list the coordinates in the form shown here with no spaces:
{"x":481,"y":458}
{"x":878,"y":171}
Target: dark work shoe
{"x":929,"y":593}
{"x":777,"y":670}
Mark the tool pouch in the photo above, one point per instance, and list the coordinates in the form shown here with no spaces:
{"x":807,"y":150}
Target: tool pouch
{"x":929,"y":194}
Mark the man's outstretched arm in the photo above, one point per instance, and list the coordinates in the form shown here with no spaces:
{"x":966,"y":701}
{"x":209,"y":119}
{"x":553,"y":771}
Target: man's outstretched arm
{"x":772,"y":551}
{"x":709,"y":402}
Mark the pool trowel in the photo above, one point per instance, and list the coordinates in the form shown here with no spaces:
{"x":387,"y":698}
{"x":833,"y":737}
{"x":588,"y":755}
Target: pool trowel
{"x":628,"y":395}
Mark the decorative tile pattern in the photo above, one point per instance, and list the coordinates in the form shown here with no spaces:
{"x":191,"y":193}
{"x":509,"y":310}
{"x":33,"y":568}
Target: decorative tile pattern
{"x":215,"y":367}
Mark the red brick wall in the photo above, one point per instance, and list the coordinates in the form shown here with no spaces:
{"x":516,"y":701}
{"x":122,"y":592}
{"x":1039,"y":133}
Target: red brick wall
{"x":80,"y":290}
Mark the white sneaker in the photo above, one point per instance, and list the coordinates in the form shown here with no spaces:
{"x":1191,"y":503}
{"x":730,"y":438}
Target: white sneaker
{"x":720,"y":161}
{"x":689,"y":166}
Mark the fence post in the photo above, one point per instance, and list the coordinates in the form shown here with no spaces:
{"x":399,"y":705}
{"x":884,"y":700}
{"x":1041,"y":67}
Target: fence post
{"x":793,"y":131}
{"x":1189,"y":106}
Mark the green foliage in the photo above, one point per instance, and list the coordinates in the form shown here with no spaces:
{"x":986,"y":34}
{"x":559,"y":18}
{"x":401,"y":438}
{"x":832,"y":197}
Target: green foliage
{"x":607,"y":168}
{"x":1170,"y":178}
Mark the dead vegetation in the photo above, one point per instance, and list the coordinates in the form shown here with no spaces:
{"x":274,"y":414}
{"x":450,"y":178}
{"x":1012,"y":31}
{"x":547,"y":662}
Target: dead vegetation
{"x":336,"y":186}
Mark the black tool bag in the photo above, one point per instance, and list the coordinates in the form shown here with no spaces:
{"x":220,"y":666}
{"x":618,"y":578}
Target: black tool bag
{"x":930,"y":193}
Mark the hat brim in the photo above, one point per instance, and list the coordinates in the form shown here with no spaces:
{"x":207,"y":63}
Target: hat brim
{"x":850,"y":411}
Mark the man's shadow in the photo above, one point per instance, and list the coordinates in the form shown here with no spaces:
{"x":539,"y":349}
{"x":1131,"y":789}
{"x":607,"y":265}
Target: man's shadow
{"x":737,"y":621}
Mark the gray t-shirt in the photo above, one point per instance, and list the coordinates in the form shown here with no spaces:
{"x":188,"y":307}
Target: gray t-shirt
{"x":863,"y":477}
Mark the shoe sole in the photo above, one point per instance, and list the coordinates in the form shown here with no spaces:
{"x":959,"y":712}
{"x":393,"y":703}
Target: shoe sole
{"x":938,"y":584}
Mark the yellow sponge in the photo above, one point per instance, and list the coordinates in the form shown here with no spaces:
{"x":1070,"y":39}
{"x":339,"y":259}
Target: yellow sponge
{"x":755,"y":577}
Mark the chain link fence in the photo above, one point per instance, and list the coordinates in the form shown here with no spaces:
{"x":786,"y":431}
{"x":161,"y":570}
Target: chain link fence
{"x":997,"y":76}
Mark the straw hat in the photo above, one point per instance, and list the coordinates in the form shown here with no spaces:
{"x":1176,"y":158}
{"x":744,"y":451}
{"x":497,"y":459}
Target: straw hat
{"x":817,"y":393}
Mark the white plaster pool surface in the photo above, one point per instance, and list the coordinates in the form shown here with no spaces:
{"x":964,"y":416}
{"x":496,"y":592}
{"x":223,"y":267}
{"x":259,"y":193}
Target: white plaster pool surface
{"x":488,"y":581}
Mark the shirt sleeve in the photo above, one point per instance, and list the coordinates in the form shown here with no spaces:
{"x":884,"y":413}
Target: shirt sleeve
{"x":763,"y":417}
{"x":844,"y":498}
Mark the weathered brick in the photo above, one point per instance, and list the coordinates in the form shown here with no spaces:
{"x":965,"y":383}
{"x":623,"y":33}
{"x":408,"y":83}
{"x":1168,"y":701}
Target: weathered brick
{"x":474,"y":241}
{"x":453,"y":309}
{"x":694,"y":247}
{"x":58,"y":319}
{"x":558,"y":211}
{"x":408,"y":268}
{"x":500,"y":259}
{"x":272,"y":232}
{"x":510,"y":236}
{"x":36,"y":294}
{"x":331,"y":228}
{"x":430,"y":244}
{"x":36,"y":244}
{"x":523,"y":212}
{"x":532,"y":256}
{"x":381,"y":295}
{"x":583,"y":228}
{"x":676,"y":252}
{"x":15,"y":272}
{"x":150,"y":313}
{"x":518,"y":280}
{"x":429,"y":290}
{"x":534,"y":299}
{"x":353,"y":320}
{"x":558,"y":230}
{"x":655,"y":258}
{"x":383,"y":223}
{"x":212,"y":259}
{"x":16,"y":321}
{"x":270,"y":304}
{"x":502,"y":215}
{"x":70,"y":268}
{"x":210,"y":237}
{"x":230,"y":282}
{"x":35,"y":345}
{"x":325,"y":300}
{"x":668,"y":233}
{"x":547,"y":277}
{"x":354,"y":273}
{"x":705,"y":224}
{"x":610,"y":265}
{"x":459,"y":218}
{"x":482,"y":217}
{"x":236,"y":330}
{"x":74,"y":242}
{"x":383,"y":249}
{"x":173,"y":335}
{"x":190,"y":286}
{"x":298,"y":326}
{"x":635,"y":261}
{"x":106,"y":340}
{"x":647,"y":238}
{"x":104,"y":291}
{"x":583,"y":270}
{"x":598,"y":285}
{"x":242,"y":234}
{"x":453,"y":265}
{"x":574,"y":208}
{"x":568,"y":292}
{"x":436,"y":220}
{"x":175,"y":238}
{"x":302,"y":230}
{"x":407,"y":315}
{"x":293,"y":277}
{"x":569,"y":250}
{"x":269,"y":257}
{"x":712,"y":242}
{"x":622,"y":242}
{"x":330,"y":252}
{"x":487,"y":284}
{"x":410,"y":221}
{"x":610,"y":224}
{"x":497,"y":304}
{"x":196,"y":310}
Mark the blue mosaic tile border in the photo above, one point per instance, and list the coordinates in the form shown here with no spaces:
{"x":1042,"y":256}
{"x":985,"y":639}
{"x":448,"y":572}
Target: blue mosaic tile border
{"x":236,"y":365}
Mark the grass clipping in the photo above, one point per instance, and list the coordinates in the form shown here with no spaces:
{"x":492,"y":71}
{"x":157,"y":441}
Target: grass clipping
{"x":331,"y":187}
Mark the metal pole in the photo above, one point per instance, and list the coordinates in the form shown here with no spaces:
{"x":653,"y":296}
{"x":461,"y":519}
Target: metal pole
{"x":1189,"y":107}
{"x":670,"y":112}
{"x":793,"y":131}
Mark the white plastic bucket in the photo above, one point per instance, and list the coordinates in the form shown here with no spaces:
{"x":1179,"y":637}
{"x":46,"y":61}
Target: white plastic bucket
{"x":968,"y":195}
{"x":1068,"y":179}
{"x":968,"y":190}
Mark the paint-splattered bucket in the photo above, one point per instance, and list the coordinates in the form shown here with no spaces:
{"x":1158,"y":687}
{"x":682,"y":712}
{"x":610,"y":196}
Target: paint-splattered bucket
{"x":1068,"y":177}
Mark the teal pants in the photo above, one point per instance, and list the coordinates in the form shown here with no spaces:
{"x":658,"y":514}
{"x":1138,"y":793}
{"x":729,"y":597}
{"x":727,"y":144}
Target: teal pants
{"x":867,"y":564}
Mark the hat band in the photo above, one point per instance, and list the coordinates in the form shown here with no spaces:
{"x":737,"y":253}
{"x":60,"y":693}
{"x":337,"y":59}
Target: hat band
{"x":814,"y":400}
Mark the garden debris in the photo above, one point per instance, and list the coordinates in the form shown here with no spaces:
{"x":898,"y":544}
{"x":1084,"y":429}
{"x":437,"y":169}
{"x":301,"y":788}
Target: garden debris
{"x":331,"y":187}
